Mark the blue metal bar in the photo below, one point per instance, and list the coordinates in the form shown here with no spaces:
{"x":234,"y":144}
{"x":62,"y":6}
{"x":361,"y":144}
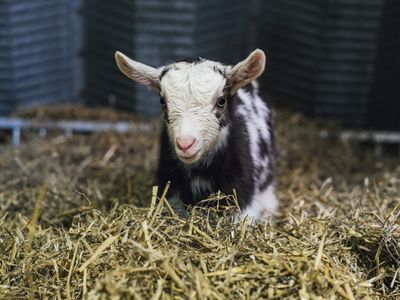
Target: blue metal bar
{"x":17,"y":124}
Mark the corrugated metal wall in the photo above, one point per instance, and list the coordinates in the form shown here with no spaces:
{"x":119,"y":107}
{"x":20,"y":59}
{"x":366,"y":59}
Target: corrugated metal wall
{"x":323,"y":55}
{"x":108,"y":27}
{"x":35,"y":53}
{"x":384,"y":108}
{"x":336,"y":59}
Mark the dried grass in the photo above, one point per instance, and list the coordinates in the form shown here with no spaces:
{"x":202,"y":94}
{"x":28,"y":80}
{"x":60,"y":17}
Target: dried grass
{"x":79,"y":219}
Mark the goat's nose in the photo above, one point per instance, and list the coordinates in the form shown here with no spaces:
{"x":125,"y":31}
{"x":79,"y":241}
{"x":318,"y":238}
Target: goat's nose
{"x":184,"y":143}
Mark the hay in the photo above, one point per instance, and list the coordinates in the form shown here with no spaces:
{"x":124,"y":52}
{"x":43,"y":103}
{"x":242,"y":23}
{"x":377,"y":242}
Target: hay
{"x":102,"y":234}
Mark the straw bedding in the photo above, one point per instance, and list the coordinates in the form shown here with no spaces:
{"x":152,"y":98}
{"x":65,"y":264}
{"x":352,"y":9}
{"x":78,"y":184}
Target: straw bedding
{"x":78,"y":220}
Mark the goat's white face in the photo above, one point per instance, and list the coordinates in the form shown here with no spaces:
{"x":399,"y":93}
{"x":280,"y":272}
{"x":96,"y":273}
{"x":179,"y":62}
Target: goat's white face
{"x":191,"y":92}
{"x":194,"y":98}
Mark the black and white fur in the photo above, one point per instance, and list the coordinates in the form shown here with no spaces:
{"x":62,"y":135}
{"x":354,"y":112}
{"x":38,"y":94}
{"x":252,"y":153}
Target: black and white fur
{"x":216,"y":113}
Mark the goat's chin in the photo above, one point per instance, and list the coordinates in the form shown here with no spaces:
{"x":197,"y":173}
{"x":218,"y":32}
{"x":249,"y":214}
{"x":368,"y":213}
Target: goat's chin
{"x":192,"y":159}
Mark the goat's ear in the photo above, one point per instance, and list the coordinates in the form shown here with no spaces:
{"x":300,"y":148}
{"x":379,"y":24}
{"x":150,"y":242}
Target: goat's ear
{"x":247,"y":70}
{"x":141,"y":73}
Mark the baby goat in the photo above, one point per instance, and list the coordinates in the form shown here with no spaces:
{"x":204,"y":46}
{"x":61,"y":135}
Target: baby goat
{"x":216,"y":133}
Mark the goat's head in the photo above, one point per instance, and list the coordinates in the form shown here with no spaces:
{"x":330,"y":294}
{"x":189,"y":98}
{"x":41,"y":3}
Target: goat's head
{"x":195,"y":98}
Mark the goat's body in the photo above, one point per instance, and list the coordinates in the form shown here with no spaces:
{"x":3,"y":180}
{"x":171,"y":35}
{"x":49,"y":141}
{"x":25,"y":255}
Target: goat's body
{"x":244,"y":161}
{"x":216,"y":133}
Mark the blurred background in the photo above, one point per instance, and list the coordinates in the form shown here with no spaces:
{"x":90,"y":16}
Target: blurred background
{"x":334,"y":60}
{"x":333,"y":80}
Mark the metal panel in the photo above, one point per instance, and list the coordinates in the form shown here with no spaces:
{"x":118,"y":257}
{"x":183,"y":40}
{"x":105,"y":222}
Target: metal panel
{"x":323,"y":54}
{"x":36,"y":53}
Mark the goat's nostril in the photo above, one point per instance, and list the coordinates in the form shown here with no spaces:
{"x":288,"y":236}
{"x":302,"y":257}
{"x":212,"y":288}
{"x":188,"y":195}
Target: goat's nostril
{"x":184,"y":143}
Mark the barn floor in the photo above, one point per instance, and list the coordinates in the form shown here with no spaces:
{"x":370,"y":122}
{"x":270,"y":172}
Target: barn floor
{"x":77,"y":221}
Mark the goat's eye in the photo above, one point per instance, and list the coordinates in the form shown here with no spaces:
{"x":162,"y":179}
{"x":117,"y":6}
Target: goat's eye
{"x":162,"y":102}
{"x":221,"y":102}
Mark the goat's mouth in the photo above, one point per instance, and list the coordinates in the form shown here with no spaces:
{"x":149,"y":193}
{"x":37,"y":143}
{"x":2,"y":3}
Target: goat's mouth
{"x":189,"y":158}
